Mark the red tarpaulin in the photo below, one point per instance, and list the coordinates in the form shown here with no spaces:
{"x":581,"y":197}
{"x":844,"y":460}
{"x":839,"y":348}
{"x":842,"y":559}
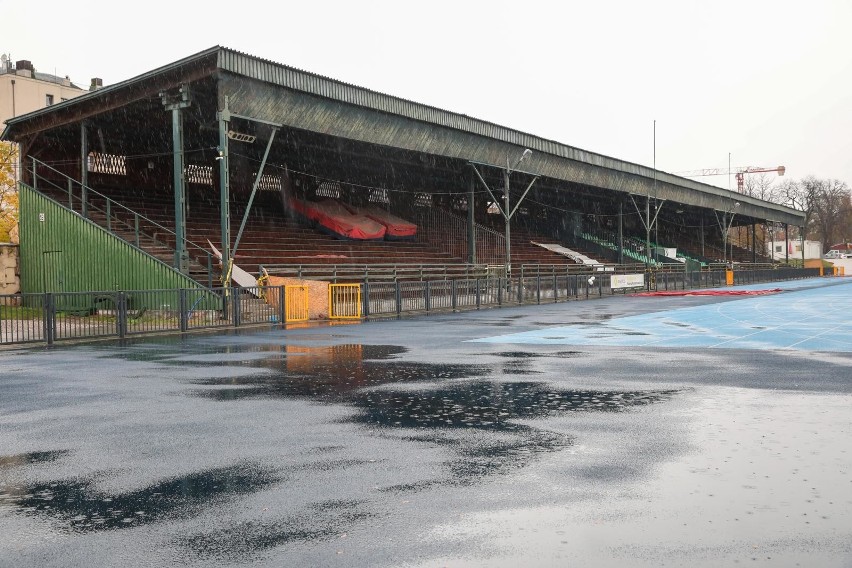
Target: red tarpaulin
{"x":397,"y":228}
{"x":332,"y":217}
{"x":711,"y":292}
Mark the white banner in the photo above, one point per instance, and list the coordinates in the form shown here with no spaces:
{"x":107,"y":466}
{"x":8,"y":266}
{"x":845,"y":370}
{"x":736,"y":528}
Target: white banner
{"x":620,"y":281}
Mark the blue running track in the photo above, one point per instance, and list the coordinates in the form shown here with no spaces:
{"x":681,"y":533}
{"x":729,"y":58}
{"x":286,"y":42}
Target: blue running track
{"x":809,"y":315}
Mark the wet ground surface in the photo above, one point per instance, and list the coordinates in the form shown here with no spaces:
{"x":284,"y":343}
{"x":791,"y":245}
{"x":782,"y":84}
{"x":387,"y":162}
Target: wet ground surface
{"x":415,"y":443}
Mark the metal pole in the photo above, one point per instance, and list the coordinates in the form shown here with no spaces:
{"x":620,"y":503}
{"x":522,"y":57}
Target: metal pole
{"x":620,"y":232}
{"x":180,"y":197}
{"x":508,"y":221}
{"x":786,"y":245}
{"x":648,"y":232}
{"x":471,"y":223}
{"x":84,"y":170}
{"x":175,"y":103}
{"x":753,"y":243}
{"x":224,"y":186}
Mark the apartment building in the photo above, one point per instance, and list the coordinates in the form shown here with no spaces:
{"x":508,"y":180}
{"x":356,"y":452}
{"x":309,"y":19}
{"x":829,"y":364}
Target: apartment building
{"x":23,"y":89}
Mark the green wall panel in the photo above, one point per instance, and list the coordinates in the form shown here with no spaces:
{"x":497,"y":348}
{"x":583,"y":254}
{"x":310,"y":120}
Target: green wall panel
{"x":60,"y":251}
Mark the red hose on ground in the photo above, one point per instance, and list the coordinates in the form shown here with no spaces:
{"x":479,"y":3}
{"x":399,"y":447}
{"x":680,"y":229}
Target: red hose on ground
{"x":711,"y":292}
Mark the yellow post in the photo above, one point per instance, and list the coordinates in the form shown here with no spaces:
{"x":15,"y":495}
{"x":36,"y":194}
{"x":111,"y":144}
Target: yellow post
{"x":729,"y":277}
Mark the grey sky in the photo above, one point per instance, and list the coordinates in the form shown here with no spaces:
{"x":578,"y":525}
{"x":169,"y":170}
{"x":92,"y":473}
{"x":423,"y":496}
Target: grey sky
{"x":769,"y":82}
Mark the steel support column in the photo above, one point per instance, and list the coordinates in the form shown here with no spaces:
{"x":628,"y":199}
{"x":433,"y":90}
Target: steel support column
{"x":620,"y":232}
{"x":508,"y":223}
{"x":84,"y":170}
{"x":753,"y":243}
{"x":786,"y":244}
{"x":471,"y":222}
{"x":175,"y":103}
{"x":224,"y":117}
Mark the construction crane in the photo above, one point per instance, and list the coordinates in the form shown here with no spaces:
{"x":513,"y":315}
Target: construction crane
{"x":739,"y":172}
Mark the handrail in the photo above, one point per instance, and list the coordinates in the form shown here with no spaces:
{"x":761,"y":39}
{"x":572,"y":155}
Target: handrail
{"x":369,"y":272}
{"x":137,"y":216}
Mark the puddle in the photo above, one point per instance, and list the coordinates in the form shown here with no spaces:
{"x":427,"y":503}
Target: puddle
{"x":481,"y":421}
{"x":247,"y":540}
{"x":79,"y":506}
{"x":538,"y":355}
{"x":331,"y":373}
{"x":488,"y":405}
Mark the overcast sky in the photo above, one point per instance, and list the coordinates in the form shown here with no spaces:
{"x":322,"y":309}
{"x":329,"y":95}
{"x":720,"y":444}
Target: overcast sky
{"x":768,"y":82}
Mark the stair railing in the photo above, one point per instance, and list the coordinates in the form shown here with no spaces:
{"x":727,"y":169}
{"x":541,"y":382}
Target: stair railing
{"x":110,"y":206}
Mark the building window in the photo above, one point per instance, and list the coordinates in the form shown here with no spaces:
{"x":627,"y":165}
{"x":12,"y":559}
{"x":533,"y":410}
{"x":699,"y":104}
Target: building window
{"x":48,"y":100}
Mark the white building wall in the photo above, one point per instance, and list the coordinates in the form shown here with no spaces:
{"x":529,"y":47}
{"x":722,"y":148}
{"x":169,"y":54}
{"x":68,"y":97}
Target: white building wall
{"x":813,"y":249}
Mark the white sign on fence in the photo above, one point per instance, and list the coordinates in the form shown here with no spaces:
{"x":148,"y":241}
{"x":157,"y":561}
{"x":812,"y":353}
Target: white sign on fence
{"x":620,"y":281}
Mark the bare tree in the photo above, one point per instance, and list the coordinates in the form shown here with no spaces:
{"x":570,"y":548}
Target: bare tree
{"x":825,"y":203}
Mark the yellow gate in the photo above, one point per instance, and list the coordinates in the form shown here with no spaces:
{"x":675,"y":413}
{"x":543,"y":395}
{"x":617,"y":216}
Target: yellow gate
{"x":344,"y":301}
{"x":296,"y":303}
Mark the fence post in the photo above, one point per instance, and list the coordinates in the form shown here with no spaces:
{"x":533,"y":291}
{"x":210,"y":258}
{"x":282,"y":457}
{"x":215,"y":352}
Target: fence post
{"x":70,"y":195}
{"x":499,"y":290}
{"x":366,"y":299}
{"x":209,"y":269}
{"x":428,"y":295}
{"x":538,"y":289}
{"x":453,"y":293}
{"x":225,"y":304}
{"x":235,"y":294}
{"x":282,"y":305}
{"x":108,"y":215}
{"x":521,"y":287}
{"x":121,"y":314}
{"x":477,"y":293}
{"x":600,"y":287}
{"x":184,"y":315}
{"x":398,"y":297}
{"x":555,"y":289}
{"x":49,"y":318}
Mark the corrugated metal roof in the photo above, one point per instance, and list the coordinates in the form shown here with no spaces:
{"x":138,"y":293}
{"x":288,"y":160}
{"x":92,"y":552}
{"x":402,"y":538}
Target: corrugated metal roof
{"x":257,"y":68}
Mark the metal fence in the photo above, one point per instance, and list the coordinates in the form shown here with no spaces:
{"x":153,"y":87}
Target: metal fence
{"x":54,"y":317}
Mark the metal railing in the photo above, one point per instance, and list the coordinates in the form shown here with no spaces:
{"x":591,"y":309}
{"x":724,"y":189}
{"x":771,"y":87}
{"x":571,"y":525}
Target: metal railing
{"x":55,"y":317}
{"x":450,"y":232}
{"x":335,"y":273}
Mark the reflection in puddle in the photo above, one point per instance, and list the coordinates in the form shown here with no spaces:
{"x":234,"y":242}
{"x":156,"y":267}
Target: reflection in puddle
{"x":331,"y":373}
{"x":30,"y":458}
{"x":488,"y":405}
{"x":80,"y":507}
{"x":245,"y":540}
{"x":487,"y":413}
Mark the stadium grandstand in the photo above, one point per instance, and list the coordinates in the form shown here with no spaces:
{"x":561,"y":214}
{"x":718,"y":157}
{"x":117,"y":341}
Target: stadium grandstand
{"x":224,"y":160}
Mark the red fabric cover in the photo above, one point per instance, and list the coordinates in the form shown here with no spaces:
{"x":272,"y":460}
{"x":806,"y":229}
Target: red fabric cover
{"x":711,"y":292}
{"x":334,"y":217}
{"x":396,"y":227}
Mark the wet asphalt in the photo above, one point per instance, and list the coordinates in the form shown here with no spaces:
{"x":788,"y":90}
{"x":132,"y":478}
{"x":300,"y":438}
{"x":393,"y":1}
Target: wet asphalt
{"x":401,"y":443}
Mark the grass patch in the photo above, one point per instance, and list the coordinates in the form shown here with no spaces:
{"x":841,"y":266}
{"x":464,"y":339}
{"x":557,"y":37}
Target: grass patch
{"x":19,"y":312}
